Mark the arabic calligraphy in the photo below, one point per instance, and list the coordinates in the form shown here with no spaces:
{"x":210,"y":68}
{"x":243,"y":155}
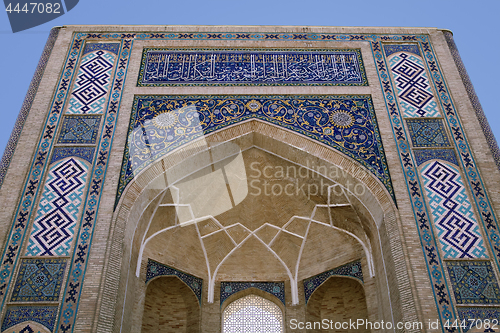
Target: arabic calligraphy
{"x":198,"y":67}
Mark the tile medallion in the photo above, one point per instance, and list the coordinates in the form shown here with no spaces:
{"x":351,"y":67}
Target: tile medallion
{"x":427,"y":133}
{"x":79,"y":129}
{"x":473,"y":282}
{"x":39,"y":280}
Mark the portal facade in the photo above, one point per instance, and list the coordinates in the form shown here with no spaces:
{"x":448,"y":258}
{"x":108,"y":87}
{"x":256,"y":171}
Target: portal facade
{"x":264,"y":179}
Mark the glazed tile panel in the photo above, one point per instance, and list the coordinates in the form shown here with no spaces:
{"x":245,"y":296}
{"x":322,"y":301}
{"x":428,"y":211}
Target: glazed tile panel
{"x":156,"y":269}
{"x":427,"y":133}
{"x":274,"y":288}
{"x":92,"y":83}
{"x":57,"y":213}
{"x":414,"y":91}
{"x":79,"y":129}
{"x":473,"y":282}
{"x":352,"y":269}
{"x":39,"y":280}
{"x":162,"y":67}
{"x":159,"y":124}
{"x":458,"y":230}
{"x":44,"y":315}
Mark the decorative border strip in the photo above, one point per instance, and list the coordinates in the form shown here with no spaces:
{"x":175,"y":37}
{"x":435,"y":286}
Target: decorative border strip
{"x":28,"y":102}
{"x":81,"y":252}
{"x":274,"y":288}
{"x":428,"y":240}
{"x":352,"y":269}
{"x":158,"y":269}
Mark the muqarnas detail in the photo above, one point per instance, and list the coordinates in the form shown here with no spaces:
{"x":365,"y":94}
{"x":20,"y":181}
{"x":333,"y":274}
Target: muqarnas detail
{"x":473,"y":282}
{"x":39,"y":280}
{"x":79,"y":129}
{"x":427,"y":133}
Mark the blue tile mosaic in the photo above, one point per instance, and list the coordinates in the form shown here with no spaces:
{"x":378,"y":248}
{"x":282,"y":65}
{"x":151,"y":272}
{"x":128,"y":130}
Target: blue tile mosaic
{"x":156,"y":269}
{"x":352,"y":269}
{"x":454,"y":218}
{"x":395,"y":48}
{"x":159,"y":124}
{"x":85,"y":153}
{"x":476,"y":318}
{"x":44,"y":315}
{"x":256,"y":67}
{"x":425,"y":155}
{"x":473,"y":282}
{"x":79,"y":129}
{"x":427,"y":133}
{"x":39,"y":280}
{"x":28,"y":101}
{"x":274,"y":288}
{"x":111,"y":47}
{"x":58,"y":210}
{"x":415,"y":95}
{"x":92,"y":83}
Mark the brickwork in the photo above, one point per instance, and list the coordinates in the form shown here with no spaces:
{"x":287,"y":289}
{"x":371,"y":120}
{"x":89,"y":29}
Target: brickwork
{"x":171,"y":307}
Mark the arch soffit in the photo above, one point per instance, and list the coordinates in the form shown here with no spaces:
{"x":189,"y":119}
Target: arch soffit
{"x":176,"y":277}
{"x":376,"y":202}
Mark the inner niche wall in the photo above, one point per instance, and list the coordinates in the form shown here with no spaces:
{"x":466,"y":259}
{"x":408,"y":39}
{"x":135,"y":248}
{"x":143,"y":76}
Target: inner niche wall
{"x":170,"y":306}
{"x":338,"y":300}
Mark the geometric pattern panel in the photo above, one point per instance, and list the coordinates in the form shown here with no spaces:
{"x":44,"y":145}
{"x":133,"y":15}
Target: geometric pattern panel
{"x":86,"y":153}
{"x":162,"y":67}
{"x":274,"y":288}
{"x":414,"y":91}
{"x":252,"y":313}
{"x":476,"y":317}
{"x":55,"y":221}
{"x":455,"y":221}
{"x":44,"y":315}
{"x":425,"y":155}
{"x":156,"y":269}
{"x":427,"y":133}
{"x":160,"y":124}
{"x":473,"y":282}
{"x":92,"y":83}
{"x":39,"y":280}
{"x":352,"y":269}
{"x":79,"y":129}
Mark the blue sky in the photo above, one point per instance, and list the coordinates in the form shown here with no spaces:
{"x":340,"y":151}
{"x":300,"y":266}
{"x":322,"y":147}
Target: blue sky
{"x":473,"y":23}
